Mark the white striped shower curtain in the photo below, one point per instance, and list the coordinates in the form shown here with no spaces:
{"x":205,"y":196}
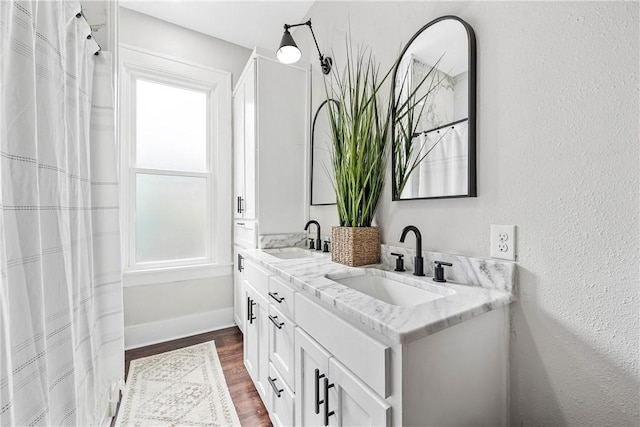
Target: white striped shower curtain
{"x":61,"y":318}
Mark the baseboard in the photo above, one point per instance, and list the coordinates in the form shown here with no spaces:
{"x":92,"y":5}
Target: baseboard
{"x":178,"y":327}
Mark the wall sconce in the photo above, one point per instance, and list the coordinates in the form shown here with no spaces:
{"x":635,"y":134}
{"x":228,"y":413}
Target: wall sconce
{"x":288,"y":53}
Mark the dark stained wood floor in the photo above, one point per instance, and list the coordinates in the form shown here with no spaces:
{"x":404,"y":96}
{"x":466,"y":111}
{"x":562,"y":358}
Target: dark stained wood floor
{"x":249,"y":407}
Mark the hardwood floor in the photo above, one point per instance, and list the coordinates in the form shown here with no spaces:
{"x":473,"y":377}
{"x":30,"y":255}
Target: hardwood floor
{"x":249,"y":407}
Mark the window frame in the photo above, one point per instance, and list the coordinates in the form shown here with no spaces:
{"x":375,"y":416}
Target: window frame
{"x":138,"y":64}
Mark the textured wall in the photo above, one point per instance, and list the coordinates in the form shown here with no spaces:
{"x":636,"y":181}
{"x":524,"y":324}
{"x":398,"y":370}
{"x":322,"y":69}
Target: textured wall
{"x":558,"y":155}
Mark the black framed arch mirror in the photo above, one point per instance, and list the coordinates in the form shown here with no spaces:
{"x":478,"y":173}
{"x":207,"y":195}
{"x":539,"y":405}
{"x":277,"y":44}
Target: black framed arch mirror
{"x":322,"y":191}
{"x":434,"y":132}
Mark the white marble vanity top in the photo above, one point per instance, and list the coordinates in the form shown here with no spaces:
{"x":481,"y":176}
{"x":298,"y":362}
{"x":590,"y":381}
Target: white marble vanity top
{"x":490,"y":285}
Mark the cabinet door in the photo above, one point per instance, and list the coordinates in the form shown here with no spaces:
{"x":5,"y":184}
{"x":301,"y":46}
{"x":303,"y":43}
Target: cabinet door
{"x":251,"y":334}
{"x":282,"y":138}
{"x":238,"y":151}
{"x":281,"y":344}
{"x":257,"y":340}
{"x":263,"y":348}
{"x":239,"y":297}
{"x":250,"y":118}
{"x":351,"y":402}
{"x":311,"y":368}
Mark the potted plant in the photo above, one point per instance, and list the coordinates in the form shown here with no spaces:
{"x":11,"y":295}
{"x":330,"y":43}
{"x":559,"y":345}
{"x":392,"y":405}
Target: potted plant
{"x":360,"y":132}
{"x":360,"y":129}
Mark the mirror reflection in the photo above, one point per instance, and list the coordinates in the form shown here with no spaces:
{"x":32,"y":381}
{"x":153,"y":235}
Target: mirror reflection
{"x":434,"y":134}
{"x":322,"y":191}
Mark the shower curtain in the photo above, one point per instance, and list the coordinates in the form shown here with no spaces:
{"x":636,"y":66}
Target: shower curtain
{"x":61,"y":318}
{"x":444,"y":171}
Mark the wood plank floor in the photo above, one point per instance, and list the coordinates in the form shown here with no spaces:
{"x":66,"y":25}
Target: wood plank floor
{"x":251,"y":411}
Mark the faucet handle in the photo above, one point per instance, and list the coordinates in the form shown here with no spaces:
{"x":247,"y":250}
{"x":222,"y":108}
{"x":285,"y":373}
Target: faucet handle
{"x":311,"y":244}
{"x":438,"y":275}
{"x":399,"y":261}
{"x":325,"y":246}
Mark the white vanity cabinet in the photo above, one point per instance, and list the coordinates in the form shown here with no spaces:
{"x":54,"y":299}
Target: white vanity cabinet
{"x":324,"y":368}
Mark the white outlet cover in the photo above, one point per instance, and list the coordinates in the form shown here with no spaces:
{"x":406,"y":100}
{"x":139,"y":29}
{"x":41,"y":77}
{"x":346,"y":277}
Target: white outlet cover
{"x":503,"y":242}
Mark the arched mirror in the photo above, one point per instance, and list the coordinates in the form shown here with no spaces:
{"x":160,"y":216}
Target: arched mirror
{"x":434,"y":116}
{"x":322,"y":192}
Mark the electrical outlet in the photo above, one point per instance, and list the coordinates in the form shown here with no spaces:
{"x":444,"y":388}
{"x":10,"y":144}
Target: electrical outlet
{"x":503,"y":242}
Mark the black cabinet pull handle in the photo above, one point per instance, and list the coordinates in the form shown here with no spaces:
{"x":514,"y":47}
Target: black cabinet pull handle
{"x":276,"y":390}
{"x":318,"y":401}
{"x":276,"y":297}
{"x":239,"y":204}
{"x":250,"y":304}
{"x":327,"y":413}
{"x":274,"y":320}
{"x":240,"y":266}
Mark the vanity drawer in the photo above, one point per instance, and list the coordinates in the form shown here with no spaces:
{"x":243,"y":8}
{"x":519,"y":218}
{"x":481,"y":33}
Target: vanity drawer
{"x":281,"y":407}
{"x":369,"y":359}
{"x":257,"y":276}
{"x":281,"y":344}
{"x":281,"y":295}
{"x":244,"y":234}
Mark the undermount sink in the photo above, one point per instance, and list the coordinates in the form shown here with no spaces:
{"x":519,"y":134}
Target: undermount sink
{"x":394,"y":292}
{"x":289,"y":253}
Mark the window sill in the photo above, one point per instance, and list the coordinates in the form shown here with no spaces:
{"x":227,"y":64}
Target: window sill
{"x":174,"y":274}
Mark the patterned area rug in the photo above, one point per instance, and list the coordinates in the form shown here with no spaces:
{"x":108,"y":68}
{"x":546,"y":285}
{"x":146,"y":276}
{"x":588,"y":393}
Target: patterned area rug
{"x":184,"y":387}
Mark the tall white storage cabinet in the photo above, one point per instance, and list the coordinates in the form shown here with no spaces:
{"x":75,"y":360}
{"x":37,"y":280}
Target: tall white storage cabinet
{"x":271,"y":112}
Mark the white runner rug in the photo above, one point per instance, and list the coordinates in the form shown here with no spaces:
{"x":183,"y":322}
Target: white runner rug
{"x":184,"y":387}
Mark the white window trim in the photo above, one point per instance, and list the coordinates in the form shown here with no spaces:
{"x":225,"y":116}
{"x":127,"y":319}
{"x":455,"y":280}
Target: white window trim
{"x":139,"y":63}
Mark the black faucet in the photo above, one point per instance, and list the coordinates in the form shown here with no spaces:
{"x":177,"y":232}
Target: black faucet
{"x":318,"y":245}
{"x":418,"y":261}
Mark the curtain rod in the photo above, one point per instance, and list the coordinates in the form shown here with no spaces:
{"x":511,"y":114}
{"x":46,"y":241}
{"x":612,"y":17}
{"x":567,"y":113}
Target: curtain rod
{"x":439,"y":127}
{"x":90,"y":36}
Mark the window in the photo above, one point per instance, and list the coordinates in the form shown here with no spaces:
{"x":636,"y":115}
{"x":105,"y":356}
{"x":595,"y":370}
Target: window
{"x":175,"y":133}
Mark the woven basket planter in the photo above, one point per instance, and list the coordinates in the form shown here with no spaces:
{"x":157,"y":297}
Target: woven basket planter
{"x":355,"y":246}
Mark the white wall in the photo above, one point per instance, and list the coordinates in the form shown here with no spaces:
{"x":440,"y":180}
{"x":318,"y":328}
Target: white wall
{"x":558,"y":155}
{"x":162,"y":311}
{"x":150,"y":33}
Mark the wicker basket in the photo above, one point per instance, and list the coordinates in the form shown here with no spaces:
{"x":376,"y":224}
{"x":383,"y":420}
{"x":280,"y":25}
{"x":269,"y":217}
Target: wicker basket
{"x":355,"y":246}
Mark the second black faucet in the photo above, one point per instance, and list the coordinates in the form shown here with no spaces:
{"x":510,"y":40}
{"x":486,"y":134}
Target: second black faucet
{"x":418,"y":261}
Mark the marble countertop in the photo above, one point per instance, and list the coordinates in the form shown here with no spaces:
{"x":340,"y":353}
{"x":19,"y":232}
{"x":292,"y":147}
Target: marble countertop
{"x":489,"y":285}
